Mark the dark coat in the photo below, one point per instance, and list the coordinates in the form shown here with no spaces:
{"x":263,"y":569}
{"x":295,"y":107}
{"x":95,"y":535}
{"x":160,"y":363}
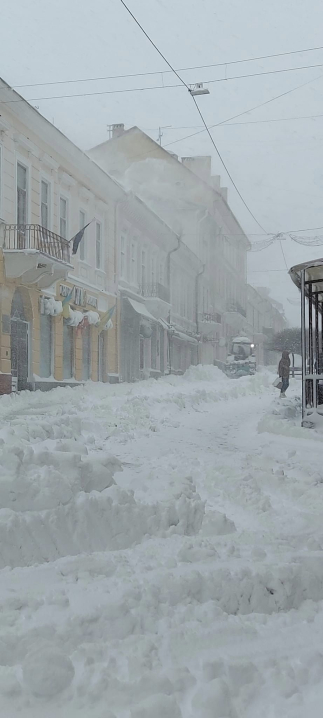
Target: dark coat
{"x":284,"y":366}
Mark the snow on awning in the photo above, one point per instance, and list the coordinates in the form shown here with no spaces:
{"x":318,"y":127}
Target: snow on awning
{"x":140,"y":308}
{"x":185,"y":337}
{"x":165,"y":324}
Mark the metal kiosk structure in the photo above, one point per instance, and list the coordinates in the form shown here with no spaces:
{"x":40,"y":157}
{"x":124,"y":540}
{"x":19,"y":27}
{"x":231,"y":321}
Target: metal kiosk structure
{"x":308,"y":277}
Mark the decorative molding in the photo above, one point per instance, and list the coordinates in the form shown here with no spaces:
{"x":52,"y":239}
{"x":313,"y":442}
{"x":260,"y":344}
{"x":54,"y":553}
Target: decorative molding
{"x":4,"y":125}
{"x":48,"y":161}
{"x":26,"y":144}
{"x":85,"y":194}
{"x":66,"y":179}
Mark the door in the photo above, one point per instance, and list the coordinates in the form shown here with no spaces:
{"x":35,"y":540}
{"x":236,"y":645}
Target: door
{"x":19,"y":352}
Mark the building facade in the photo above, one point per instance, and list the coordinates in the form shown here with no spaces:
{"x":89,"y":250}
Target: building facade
{"x":265,"y":317}
{"x":52,"y":302}
{"x":186,"y":196}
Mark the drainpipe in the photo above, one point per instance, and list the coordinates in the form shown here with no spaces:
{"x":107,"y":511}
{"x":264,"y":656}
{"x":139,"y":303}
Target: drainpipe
{"x":197,"y":286}
{"x":169,"y":316}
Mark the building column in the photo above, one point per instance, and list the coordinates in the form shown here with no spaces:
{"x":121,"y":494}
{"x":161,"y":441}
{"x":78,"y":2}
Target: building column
{"x":95,"y":355}
{"x":58,"y":347}
{"x":78,"y":358}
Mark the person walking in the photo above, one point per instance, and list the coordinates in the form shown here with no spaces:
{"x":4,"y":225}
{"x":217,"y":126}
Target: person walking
{"x":283,"y":371}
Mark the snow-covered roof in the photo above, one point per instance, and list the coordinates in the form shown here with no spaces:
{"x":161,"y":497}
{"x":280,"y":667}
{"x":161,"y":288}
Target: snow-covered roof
{"x":241,"y":340}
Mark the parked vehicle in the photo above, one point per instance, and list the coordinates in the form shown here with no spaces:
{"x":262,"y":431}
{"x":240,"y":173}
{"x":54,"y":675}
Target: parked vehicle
{"x":241,"y":361}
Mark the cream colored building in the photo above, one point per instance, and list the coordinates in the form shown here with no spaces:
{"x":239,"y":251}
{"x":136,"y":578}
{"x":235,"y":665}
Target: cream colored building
{"x":49,"y":189}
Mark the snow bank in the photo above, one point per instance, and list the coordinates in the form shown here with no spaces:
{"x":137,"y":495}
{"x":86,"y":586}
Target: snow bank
{"x":91,"y":522}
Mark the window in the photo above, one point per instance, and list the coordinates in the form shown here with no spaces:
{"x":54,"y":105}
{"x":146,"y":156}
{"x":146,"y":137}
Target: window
{"x":21,"y":194}
{"x":123,"y":257}
{"x":98,"y":246}
{"x":82,"y":224}
{"x":46,"y":345}
{"x":63,"y":217}
{"x":133,"y":263}
{"x":44,"y":204}
{"x":143,"y":268}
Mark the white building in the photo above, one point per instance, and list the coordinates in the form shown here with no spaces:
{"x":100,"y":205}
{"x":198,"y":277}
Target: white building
{"x":186,"y":196}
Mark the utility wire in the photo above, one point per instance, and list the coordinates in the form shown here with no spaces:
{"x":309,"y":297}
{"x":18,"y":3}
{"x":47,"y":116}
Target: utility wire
{"x":224,"y":165}
{"x":160,"y":87}
{"x":158,"y":72}
{"x":153,"y":44}
{"x":199,"y":111}
{"x":245,"y":112}
{"x":171,"y":128}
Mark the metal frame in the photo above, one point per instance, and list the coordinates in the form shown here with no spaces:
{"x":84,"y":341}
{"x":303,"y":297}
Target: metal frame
{"x":308,"y":277}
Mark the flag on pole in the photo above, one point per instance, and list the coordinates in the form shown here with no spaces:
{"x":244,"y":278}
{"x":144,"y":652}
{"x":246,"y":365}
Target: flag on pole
{"x":105,"y":318}
{"x":77,"y":239}
{"x":66,"y":304}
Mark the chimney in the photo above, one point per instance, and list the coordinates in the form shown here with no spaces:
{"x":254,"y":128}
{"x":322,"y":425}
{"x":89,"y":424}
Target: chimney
{"x":116,"y":130}
{"x":201,"y":166}
{"x":224,"y":192}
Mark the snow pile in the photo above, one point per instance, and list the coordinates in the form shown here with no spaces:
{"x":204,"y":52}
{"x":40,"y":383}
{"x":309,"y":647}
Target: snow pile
{"x":52,"y":306}
{"x":160,"y":555}
{"x":202,"y":372}
{"x":92,"y":317}
{"x":47,"y":671}
{"x":75,"y":317}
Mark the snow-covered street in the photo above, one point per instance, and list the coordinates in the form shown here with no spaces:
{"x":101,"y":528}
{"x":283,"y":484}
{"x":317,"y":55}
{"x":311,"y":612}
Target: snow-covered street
{"x":161,"y":551}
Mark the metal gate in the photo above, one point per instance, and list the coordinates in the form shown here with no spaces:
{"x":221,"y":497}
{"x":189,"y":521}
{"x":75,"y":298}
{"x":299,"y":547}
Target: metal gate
{"x":19,"y":352}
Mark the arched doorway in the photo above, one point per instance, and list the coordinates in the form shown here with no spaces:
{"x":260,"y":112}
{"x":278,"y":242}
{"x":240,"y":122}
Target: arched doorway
{"x":19,"y":341}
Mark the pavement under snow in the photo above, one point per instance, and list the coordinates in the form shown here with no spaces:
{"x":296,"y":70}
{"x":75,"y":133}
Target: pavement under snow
{"x":161,"y":552}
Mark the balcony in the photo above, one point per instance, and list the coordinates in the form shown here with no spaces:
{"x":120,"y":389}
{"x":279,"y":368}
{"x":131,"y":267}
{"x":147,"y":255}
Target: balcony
{"x":235,"y":315}
{"x":155,"y":291}
{"x":209,"y":323}
{"x":34,"y":254}
{"x":157,"y":299}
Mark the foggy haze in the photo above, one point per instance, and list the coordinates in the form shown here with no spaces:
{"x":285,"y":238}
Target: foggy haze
{"x":276,"y":165}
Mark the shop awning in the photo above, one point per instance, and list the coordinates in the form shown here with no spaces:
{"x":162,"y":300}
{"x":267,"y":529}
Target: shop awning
{"x":165,"y":324}
{"x":184,"y":337}
{"x":141,"y":309}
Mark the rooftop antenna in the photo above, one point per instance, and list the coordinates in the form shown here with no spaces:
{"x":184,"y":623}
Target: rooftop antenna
{"x":161,"y":134}
{"x":198,"y":89}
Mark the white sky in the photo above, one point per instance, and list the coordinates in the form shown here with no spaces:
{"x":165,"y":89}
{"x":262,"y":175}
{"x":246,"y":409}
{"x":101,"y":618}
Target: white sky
{"x":277,"y":165}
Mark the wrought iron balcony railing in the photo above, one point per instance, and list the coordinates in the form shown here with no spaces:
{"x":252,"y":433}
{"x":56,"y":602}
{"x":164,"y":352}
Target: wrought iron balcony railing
{"x":156,"y":290}
{"x":211,"y":317}
{"x":33,"y":236}
{"x":236,"y":307}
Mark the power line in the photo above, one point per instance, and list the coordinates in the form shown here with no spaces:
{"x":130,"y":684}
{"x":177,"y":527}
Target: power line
{"x":199,"y":111}
{"x":172,"y":128}
{"x":225,"y":166}
{"x":153,"y":44}
{"x":158,"y":72}
{"x":245,"y":112}
{"x":159,"y":87}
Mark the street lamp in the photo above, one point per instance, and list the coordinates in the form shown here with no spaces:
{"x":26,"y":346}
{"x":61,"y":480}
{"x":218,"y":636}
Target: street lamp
{"x":198,"y":89}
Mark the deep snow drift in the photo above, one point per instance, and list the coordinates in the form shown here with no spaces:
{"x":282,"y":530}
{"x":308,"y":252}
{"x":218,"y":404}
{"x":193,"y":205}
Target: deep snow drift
{"x":161,"y":552}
